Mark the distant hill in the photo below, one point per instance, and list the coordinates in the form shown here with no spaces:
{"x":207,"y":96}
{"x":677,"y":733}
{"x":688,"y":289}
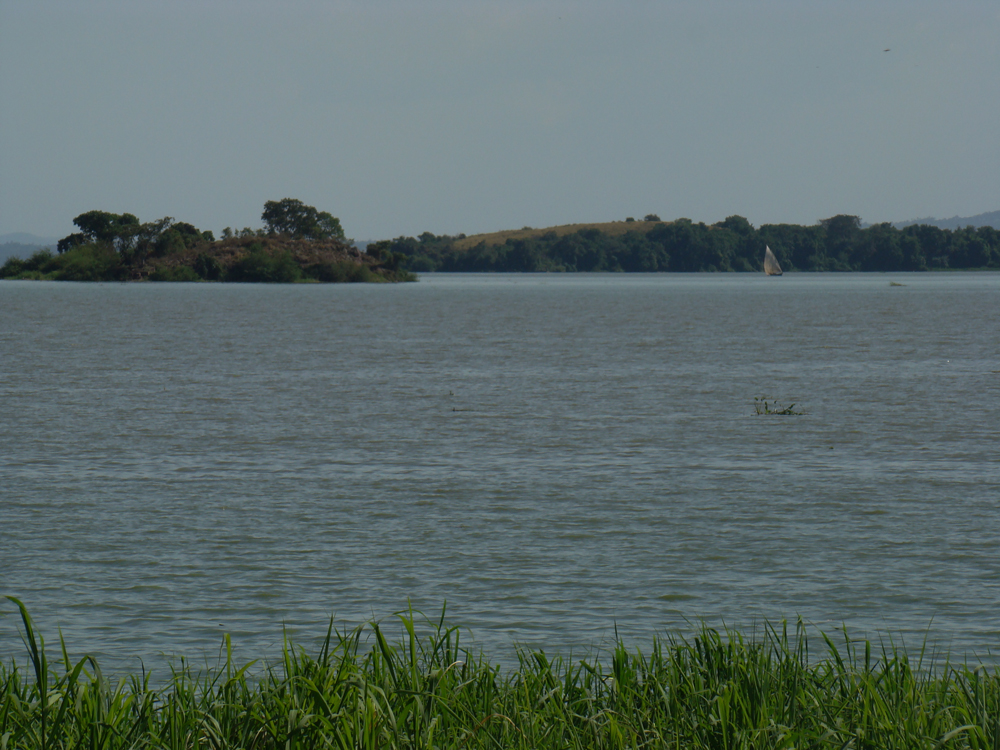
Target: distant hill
{"x":24,"y":238}
{"x":22,"y":245}
{"x":19,"y":250}
{"x":611,"y":228}
{"x":989,"y":219}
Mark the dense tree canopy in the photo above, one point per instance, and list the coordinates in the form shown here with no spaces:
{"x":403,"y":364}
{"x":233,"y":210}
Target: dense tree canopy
{"x":839,"y":243}
{"x":293,"y":217}
{"x":131,"y":240}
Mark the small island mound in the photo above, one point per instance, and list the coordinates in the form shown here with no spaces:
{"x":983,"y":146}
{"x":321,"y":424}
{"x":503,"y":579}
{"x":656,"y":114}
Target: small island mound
{"x":297,"y":244}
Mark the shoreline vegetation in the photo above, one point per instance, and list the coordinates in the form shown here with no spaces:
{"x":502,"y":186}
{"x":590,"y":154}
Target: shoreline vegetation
{"x":300,"y":244}
{"x":839,"y":243}
{"x":361,"y":690}
{"x":297,"y":244}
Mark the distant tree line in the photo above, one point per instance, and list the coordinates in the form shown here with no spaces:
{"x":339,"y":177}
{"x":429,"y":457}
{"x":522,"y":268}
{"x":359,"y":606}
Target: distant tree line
{"x":839,"y":243}
{"x":111,"y":246}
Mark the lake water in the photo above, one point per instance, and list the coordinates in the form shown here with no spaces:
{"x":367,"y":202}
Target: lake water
{"x":553,"y":455}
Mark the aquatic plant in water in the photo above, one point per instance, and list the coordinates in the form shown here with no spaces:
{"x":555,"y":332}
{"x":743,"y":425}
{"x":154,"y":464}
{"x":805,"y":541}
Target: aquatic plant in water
{"x":764,"y":406}
{"x":717,"y":689}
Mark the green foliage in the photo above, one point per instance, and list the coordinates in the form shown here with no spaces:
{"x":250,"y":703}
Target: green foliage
{"x":131,"y":240}
{"x":365,"y":688}
{"x":93,"y":262}
{"x":736,"y":224}
{"x":419,"y":264}
{"x":379,"y":250}
{"x":40,"y":258}
{"x":209,"y":268}
{"x":12,"y":268}
{"x":343,"y":272}
{"x":88,"y":262}
{"x":70,"y":241}
{"x":37,"y":266}
{"x":191,"y":235}
{"x":260,"y":266}
{"x":101,"y":226}
{"x":798,"y":248}
{"x":170,"y":242}
{"x":292,"y":217}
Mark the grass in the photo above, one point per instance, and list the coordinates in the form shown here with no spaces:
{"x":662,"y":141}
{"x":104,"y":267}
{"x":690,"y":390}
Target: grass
{"x":612,"y":228}
{"x":359,"y":690}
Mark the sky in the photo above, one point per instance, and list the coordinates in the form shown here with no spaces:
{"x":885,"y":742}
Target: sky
{"x":473,"y":116}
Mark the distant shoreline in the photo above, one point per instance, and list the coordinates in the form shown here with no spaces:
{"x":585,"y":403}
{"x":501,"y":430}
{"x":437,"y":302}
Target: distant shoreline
{"x":837,"y":244}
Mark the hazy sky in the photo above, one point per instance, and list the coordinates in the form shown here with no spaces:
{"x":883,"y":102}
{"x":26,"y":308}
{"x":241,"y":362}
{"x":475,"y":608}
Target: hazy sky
{"x":465,"y":116}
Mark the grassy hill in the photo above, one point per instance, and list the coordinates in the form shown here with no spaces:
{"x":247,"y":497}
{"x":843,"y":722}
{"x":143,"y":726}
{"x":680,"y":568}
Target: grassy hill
{"x":611,"y":228}
{"x":839,"y":243}
{"x":988,"y":219}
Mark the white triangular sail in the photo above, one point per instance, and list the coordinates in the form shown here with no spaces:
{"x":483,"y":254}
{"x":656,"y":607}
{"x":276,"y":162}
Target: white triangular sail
{"x":771,"y":267}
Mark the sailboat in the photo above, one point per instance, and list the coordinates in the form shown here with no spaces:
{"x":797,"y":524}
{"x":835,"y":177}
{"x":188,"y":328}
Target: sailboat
{"x":771,"y":267}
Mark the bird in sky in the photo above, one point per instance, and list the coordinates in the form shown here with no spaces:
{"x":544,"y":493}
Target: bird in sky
{"x":885,"y":50}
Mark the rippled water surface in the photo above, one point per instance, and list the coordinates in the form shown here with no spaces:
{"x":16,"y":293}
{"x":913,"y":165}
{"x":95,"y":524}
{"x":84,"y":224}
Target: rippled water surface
{"x":552,"y":455}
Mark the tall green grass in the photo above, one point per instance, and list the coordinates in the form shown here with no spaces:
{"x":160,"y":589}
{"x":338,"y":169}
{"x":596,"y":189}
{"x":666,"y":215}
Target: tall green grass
{"x":422,"y":690}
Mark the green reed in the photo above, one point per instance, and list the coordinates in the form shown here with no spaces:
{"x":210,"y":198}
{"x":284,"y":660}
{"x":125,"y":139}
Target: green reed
{"x":422,"y":690}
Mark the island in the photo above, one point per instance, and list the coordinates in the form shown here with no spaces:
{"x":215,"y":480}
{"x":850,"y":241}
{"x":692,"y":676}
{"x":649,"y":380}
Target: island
{"x":296,"y":244}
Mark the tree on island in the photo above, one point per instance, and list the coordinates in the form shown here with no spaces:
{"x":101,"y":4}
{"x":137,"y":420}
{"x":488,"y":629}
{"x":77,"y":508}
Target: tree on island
{"x":129,"y":238}
{"x":293,"y":217}
{"x":100,"y":226}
